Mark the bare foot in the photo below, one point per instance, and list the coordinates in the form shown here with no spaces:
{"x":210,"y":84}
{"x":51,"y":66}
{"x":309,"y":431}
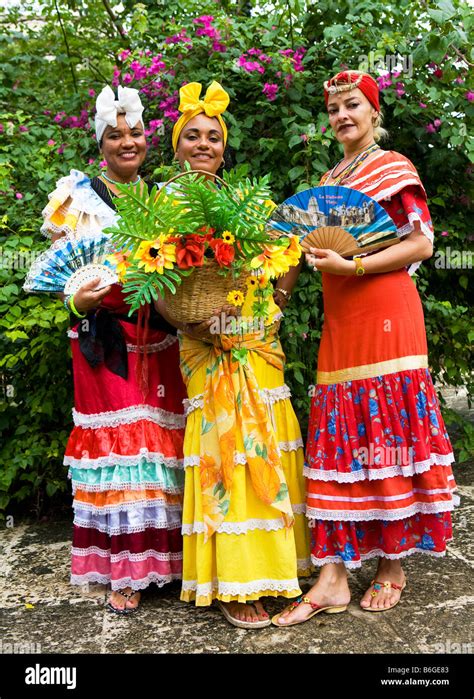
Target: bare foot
{"x":384,"y":597}
{"x":331,"y":589}
{"x":118,"y":601}
{"x":247,"y":612}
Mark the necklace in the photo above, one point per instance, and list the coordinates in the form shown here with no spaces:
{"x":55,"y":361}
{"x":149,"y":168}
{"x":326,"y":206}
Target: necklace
{"x":351,"y":166}
{"x":128,"y":184}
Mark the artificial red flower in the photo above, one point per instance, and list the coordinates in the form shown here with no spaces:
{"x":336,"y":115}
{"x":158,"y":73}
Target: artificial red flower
{"x":223,"y":252}
{"x":190,"y":252}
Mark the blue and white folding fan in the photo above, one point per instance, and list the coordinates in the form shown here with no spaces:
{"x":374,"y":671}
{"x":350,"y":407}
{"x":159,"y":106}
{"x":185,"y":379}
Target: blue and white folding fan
{"x":335,"y":218}
{"x":69,"y":264}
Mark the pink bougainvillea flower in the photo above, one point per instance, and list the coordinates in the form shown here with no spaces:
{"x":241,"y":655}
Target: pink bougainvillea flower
{"x":270,"y":91}
{"x":127,"y":78}
{"x":469,"y":96}
{"x":103,"y":163}
{"x":422,"y":105}
{"x":437,"y":123}
{"x":218,"y":47}
{"x":60,"y":150}
{"x":19,"y":195}
{"x":429,"y":128}
{"x":323,"y":129}
{"x":444,"y":233}
{"x":91,"y":93}
{"x":304,"y":138}
{"x":91,"y":161}
{"x":384,"y":81}
{"x":51,"y":142}
{"x":459,"y":80}
{"x":123,"y":55}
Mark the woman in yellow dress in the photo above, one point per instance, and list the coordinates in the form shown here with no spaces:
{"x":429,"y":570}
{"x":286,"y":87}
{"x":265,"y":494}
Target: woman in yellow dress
{"x":244,"y":527}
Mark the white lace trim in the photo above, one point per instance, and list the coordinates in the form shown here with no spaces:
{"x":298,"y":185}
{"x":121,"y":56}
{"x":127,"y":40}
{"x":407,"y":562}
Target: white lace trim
{"x":153,"y":347}
{"x":376,"y":473}
{"x":94,"y":577}
{"x":116,"y":530}
{"x":426,"y":508}
{"x":126,"y":506}
{"x":375,"y":553}
{"x":126,"y":416}
{"x":270,"y":396}
{"x":111,"y":460}
{"x":382,"y":498}
{"x":110,"y":486}
{"x":293,"y":445}
{"x":127,"y":555}
{"x":234,"y":589}
{"x":240,"y":459}
{"x":268,"y":525}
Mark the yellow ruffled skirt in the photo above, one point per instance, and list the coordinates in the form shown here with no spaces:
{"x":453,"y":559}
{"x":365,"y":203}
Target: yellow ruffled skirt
{"x":252,"y":554}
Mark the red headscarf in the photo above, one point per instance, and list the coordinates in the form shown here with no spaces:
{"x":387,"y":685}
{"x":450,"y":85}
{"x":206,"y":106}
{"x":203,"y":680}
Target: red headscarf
{"x":364,"y":82}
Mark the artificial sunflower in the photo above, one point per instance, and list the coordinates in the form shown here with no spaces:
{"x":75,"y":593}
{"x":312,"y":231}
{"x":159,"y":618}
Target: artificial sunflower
{"x":156,"y":255}
{"x":227,"y":237}
{"x":236,"y":298}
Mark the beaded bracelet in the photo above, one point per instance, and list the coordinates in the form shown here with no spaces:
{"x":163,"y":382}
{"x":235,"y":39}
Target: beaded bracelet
{"x":66,"y":302}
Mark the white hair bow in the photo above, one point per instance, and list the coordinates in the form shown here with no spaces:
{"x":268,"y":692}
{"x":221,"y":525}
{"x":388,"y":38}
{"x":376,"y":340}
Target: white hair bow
{"x":107,"y":108}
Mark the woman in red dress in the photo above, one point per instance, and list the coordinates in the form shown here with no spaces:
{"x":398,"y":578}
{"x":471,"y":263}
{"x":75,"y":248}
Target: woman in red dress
{"x":125,"y":452}
{"x":379,"y":479}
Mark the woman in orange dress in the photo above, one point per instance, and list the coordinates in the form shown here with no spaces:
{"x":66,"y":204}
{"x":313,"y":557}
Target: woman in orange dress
{"x":379,"y":479}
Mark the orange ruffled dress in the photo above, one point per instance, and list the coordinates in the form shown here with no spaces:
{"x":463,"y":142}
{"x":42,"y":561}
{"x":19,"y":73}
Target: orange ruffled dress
{"x":378,"y":458}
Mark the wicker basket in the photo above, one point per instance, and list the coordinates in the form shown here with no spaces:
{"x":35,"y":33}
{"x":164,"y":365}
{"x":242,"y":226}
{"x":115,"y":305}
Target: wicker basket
{"x":203,"y":292}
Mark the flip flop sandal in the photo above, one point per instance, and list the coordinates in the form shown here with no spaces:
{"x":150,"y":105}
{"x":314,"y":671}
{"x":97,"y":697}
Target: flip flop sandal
{"x":386,"y":586}
{"x":332,"y":609}
{"x":238,"y":622}
{"x":126,"y":610}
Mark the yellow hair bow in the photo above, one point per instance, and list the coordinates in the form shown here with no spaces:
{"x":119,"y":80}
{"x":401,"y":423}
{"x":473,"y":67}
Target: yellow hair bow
{"x":215,"y":102}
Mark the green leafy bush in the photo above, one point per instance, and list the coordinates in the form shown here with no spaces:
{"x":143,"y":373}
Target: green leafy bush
{"x":273,"y":60}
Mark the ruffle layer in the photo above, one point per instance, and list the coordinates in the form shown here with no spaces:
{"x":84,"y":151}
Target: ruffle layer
{"x":353,"y":542}
{"x":162,"y":541}
{"x":124,"y":445}
{"x":392,"y":498}
{"x":204,"y":593}
{"x":137,"y":477}
{"x":359,"y":429}
{"x":120,"y":500}
{"x":131,"y":521}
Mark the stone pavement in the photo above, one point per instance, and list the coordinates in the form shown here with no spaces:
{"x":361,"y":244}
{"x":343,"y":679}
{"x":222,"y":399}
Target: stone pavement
{"x":41,"y":612}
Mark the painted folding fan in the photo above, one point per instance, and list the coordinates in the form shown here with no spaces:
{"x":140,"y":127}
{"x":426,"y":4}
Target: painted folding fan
{"x":69,"y":264}
{"x":335,"y":218}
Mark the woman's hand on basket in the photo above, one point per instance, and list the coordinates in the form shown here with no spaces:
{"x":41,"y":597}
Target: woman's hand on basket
{"x":217,"y":322}
{"x":329,"y":261}
{"x":85,"y":298}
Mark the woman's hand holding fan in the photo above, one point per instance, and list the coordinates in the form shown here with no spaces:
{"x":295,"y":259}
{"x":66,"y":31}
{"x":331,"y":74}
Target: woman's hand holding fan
{"x":328,"y":261}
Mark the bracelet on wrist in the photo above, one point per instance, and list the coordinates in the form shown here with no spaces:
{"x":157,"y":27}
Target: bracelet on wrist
{"x":74,"y":309}
{"x":66,"y":303}
{"x":283,"y":292}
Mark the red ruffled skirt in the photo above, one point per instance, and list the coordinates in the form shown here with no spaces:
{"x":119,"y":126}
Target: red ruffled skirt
{"x":125,"y":459}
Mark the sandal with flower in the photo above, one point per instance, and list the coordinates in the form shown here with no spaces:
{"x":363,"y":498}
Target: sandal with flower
{"x":386,"y":586}
{"x":126,"y":610}
{"x":332,"y":609}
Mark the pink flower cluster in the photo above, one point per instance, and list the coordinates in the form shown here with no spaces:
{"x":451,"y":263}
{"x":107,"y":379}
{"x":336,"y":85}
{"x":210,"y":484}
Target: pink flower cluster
{"x":434,"y":127}
{"x":259,"y":58}
{"x":205,"y":28}
{"x":270,"y":91}
{"x":296,"y":57}
{"x":168,"y":106}
{"x":153,"y":126}
{"x":179,"y":38}
{"x":469,"y":96}
{"x":73,"y":122}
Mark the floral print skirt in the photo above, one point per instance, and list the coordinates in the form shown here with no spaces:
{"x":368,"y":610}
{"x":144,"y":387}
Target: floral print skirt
{"x":378,"y":468}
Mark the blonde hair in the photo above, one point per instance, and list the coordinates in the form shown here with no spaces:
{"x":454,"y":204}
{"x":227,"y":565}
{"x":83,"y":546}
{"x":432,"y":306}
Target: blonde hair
{"x":380,"y":134}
